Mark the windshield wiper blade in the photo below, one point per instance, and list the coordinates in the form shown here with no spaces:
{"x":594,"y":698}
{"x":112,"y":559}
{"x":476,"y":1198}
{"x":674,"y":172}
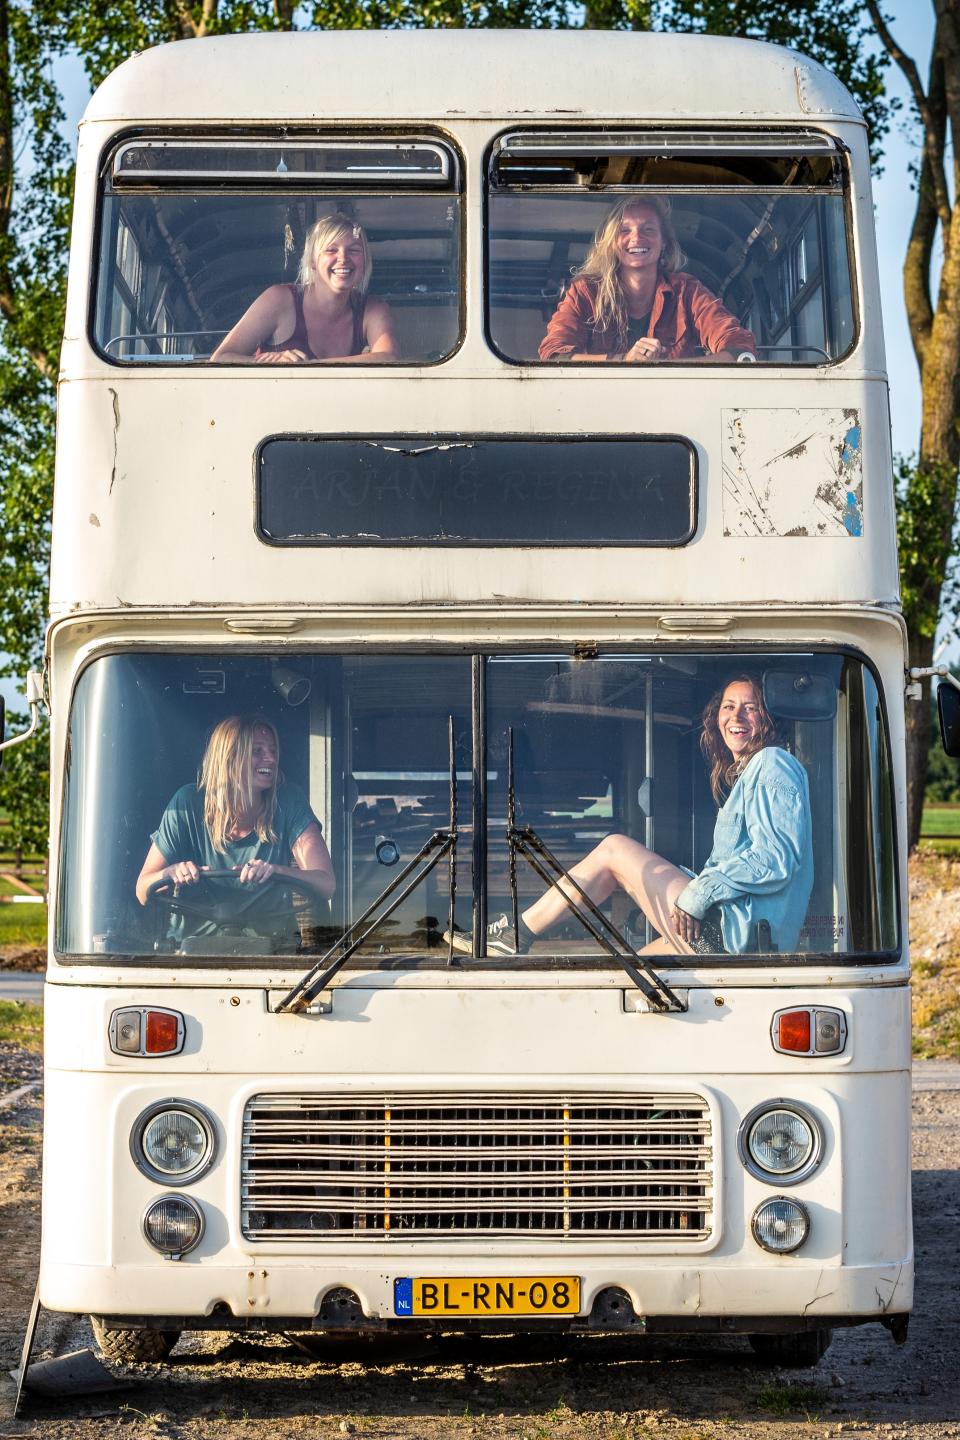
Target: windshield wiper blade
{"x":431,"y":852}
{"x":526,"y":842}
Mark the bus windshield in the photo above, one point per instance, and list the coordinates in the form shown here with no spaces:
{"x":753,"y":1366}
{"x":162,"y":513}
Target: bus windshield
{"x":199,"y":236}
{"x":355,"y":749}
{"x":743,"y":237}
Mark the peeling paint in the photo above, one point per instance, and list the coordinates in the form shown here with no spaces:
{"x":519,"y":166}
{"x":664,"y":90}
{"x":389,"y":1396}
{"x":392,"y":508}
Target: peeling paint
{"x":811,"y":486}
{"x":116,"y":436}
{"x":94,"y":520}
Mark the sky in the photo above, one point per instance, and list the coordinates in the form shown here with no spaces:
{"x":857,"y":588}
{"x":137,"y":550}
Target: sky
{"x":912,"y":27}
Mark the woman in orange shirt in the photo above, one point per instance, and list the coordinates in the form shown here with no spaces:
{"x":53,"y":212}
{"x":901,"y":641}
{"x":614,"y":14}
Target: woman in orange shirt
{"x":631,"y":302}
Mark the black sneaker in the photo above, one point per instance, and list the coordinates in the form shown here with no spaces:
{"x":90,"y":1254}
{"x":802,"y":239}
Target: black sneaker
{"x":501,"y":938}
{"x":462,"y":940}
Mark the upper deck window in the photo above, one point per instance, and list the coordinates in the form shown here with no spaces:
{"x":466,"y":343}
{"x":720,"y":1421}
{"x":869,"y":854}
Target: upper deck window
{"x":655,"y":247}
{"x":279,"y":250}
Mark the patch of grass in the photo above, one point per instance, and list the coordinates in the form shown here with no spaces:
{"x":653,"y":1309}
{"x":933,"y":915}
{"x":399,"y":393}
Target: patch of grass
{"x":944,"y":823}
{"x":23,"y":925}
{"x":782,"y":1399}
{"x":21,"y":1025}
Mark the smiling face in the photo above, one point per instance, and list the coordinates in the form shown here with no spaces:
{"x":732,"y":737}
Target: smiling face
{"x":639,"y":239}
{"x":339,"y":263}
{"x":264,"y":759}
{"x":739,"y":719}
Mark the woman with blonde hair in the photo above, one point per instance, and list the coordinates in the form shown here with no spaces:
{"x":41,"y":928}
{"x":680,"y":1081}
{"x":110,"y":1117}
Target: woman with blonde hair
{"x":757,"y":880}
{"x":328,"y":314}
{"x":240,"y":820}
{"x":631,"y":301}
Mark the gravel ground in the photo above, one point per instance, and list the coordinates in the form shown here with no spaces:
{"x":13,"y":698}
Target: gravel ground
{"x":220,"y":1388}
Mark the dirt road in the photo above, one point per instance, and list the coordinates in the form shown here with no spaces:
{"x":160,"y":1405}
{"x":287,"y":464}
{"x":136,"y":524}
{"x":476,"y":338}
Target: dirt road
{"x":218,"y":1388}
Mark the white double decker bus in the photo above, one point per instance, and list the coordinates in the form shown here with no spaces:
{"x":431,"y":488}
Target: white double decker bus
{"x":437,"y":443}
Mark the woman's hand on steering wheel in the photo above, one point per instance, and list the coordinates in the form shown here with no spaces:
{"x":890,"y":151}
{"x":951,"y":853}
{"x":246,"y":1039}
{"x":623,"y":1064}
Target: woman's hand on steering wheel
{"x":182,"y":872}
{"x":256,"y":872}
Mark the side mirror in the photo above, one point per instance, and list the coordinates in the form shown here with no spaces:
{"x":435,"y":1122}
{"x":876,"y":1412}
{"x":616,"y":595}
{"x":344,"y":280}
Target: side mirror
{"x":948,"y":709}
{"x":799,"y":695}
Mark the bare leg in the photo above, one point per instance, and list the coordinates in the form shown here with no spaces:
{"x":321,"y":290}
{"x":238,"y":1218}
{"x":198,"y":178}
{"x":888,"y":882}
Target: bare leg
{"x":617,"y":863}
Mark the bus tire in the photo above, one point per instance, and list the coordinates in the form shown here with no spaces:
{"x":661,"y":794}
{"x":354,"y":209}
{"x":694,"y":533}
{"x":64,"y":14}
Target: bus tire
{"x":133,"y":1347}
{"x":803,"y":1349}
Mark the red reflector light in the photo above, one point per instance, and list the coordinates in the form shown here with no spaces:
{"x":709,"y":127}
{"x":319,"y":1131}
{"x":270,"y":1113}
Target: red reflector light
{"x":793,"y":1028}
{"x":162,"y":1032}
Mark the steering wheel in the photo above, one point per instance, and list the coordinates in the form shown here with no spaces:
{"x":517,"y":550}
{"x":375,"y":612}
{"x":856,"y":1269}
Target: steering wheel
{"x":217,"y":896}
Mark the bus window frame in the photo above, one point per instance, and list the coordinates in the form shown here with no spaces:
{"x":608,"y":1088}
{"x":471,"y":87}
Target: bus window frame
{"x":842,"y":156}
{"x":291,"y":132}
{"x":795,"y":963}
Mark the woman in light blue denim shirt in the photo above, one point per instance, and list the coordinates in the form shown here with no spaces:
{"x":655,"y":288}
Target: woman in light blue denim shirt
{"x":753,"y":891}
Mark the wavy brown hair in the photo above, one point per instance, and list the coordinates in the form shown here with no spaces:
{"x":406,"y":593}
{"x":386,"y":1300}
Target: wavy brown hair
{"x":226,"y":780}
{"x":602,"y":264}
{"x":724,"y":769}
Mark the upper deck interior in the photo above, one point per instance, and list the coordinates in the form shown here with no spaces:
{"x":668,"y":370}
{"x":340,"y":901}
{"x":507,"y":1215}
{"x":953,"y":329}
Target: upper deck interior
{"x":474,"y":179}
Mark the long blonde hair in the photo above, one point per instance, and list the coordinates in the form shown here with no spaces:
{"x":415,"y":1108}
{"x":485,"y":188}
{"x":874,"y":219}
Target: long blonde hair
{"x":226,"y":780}
{"x":602,"y":264}
{"x":319,"y":236}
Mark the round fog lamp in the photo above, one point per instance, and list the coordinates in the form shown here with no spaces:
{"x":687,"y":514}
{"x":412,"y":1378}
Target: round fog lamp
{"x":780,"y":1225}
{"x":173,"y":1142}
{"x":780,"y":1140}
{"x":173,"y":1225}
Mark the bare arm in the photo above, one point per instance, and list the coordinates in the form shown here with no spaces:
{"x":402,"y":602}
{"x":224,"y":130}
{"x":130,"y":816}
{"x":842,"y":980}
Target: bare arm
{"x":158,"y":867}
{"x":271,"y":312}
{"x":312,"y":865}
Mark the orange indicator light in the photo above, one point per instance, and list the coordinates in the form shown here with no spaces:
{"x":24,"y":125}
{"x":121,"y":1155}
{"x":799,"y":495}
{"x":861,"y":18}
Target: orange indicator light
{"x":794,"y":1030}
{"x":162,"y":1036}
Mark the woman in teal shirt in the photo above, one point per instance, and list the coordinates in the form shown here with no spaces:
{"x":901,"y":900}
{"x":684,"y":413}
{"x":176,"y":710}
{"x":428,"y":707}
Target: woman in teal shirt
{"x":759,"y":872}
{"x":240,"y":820}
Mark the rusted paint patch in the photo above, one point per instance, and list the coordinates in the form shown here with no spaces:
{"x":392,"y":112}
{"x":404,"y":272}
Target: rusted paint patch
{"x":792,"y":472}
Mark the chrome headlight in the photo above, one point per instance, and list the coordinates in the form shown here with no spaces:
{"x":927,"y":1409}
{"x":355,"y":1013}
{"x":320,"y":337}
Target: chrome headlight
{"x":173,"y":1225}
{"x":780,"y":1225}
{"x":174,"y":1142}
{"x":780,"y":1140}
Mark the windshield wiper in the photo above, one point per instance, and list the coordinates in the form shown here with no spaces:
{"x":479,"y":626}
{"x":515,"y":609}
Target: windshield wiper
{"x":431,"y":852}
{"x":526,"y":842}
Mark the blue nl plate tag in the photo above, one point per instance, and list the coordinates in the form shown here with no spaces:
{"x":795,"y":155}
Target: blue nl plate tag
{"x":403,"y":1295}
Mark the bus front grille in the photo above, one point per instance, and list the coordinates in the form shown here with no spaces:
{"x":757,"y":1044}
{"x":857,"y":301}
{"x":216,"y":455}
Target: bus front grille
{"x":418,"y":1165}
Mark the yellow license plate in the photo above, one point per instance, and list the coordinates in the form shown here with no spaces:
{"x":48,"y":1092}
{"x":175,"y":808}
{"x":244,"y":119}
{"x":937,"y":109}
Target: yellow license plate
{"x":495,"y":1296}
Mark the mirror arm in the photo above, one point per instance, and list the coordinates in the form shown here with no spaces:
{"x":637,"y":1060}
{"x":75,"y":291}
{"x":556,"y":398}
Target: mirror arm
{"x":928,"y":672}
{"x":34,"y":700}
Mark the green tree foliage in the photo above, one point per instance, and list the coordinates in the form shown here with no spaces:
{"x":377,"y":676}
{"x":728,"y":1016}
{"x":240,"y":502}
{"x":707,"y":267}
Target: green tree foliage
{"x":928,"y":500}
{"x":36,"y":181}
{"x":24,"y":787}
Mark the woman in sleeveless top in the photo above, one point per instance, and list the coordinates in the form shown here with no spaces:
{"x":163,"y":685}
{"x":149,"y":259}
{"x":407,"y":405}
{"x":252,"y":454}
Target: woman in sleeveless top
{"x":630,"y":300}
{"x":327,"y":315}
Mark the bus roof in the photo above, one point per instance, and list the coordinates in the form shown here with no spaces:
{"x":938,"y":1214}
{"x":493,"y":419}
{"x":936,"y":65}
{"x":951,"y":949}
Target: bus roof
{"x":554,"y":76}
